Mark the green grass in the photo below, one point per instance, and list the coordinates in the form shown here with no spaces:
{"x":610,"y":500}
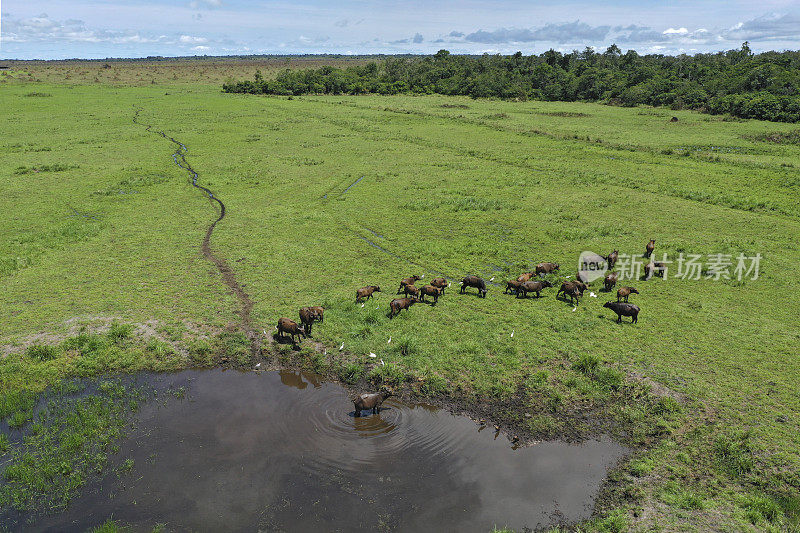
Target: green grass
{"x":67,"y":443}
{"x":448,"y":185}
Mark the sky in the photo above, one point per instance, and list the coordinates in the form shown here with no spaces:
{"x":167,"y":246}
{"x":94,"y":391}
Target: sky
{"x":60,"y":29}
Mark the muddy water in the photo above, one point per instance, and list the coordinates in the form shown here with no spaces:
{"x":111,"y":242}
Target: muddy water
{"x":282,"y":451}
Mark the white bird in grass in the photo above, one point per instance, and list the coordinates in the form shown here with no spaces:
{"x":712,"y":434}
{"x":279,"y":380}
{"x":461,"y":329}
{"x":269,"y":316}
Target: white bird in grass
{"x":567,"y":277}
{"x":265,"y":333}
{"x":512,"y":333}
{"x":593,"y":295}
{"x":362,"y":305}
{"x":491,"y":279}
{"x":449,"y":283}
{"x":389,"y":341}
{"x":574,"y":309}
{"x":258,"y":365}
{"x":372,"y":355}
{"x":382,"y":363}
{"x":341,"y":347}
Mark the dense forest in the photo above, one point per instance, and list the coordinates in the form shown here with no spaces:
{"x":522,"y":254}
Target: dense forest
{"x":738,"y":82}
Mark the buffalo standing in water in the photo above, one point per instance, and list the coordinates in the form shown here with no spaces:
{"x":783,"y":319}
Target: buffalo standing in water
{"x":474,"y":281}
{"x":370,"y":401}
{"x":624,"y":309}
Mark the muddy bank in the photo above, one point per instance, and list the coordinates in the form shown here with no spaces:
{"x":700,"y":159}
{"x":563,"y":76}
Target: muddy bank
{"x":282,"y":451}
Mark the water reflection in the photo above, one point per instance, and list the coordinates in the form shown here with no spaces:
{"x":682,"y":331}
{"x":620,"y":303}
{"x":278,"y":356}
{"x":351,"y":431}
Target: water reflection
{"x":264,"y":451}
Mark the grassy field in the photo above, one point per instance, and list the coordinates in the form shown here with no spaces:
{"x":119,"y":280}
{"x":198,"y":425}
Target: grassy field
{"x":328,"y":194}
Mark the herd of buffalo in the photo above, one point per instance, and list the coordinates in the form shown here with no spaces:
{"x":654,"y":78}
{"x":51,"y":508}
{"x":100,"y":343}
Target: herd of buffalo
{"x":527,"y":282}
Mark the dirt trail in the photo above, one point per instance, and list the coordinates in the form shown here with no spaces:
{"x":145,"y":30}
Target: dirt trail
{"x":228,"y":276}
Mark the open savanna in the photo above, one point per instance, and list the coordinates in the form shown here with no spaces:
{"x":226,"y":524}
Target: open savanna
{"x":325,"y":194}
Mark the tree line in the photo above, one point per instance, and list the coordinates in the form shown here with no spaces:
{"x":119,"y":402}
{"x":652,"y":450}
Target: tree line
{"x":737,"y":82}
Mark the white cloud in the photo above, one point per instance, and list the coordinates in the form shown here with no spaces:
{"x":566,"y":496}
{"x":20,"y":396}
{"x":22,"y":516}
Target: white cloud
{"x":191,"y":39}
{"x":201,"y":48}
{"x":197,"y":4}
{"x":675,"y":31}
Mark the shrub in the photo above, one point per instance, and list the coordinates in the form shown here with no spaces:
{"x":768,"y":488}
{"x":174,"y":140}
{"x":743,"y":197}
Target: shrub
{"x":119,"y":332}
{"x":587,"y":364}
{"x":733,"y":453}
{"x":42,"y":353}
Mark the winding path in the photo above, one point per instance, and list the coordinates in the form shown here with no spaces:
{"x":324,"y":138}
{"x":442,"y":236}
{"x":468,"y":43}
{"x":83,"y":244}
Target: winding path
{"x":228,"y":276}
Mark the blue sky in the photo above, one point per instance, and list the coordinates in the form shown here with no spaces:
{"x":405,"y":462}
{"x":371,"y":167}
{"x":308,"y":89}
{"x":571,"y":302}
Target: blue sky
{"x":56,"y":29}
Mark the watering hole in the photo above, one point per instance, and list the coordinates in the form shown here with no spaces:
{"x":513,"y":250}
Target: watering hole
{"x":282,"y":451}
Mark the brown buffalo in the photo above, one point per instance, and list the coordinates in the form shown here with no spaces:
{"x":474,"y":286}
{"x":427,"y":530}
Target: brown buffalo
{"x":398,"y":304}
{"x":370,"y":401}
{"x":430,"y":290}
{"x":290,"y":327}
{"x":320,"y":312}
{"x":532,"y":286}
{"x":474,"y":281}
{"x":512,"y":286}
{"x":610,"y":281}
{"x":573,"y":289}
{"x":525,"y":276}
{"x":568,"y":286}
{"x":366,"y":292}
{"x":411,"y":290}
{"x":648,"y":249}
{"x":546,"y":268}
{"x":407,"y":281}
{"x":624,"y":309}
{"x":440,"y":283}
{"x":654,"y":268}
{"x":624,"y":292}
{"x":307,"y":318}
{"x":612,"y":258}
